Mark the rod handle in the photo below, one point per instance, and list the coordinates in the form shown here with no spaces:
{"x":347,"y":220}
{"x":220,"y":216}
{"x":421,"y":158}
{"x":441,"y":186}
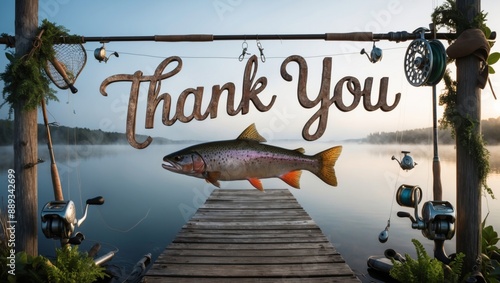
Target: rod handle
{"x":56,"y":182}
{"x":350,"y":36}
{"x":187,"y":37}
{"x":62,"y":71}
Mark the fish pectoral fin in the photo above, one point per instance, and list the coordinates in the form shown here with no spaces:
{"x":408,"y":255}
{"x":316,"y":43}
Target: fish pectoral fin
{"x":256,"y":183}
{"x":292,"y":178}
{"x":213,"y":177}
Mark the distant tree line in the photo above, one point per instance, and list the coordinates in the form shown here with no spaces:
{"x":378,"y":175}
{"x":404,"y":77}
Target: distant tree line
{"x":69,"y":135}
{"x":490,"y":129}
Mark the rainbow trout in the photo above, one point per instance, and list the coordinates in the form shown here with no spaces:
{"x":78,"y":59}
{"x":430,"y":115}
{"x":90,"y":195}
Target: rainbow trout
{"x":247,"y":158}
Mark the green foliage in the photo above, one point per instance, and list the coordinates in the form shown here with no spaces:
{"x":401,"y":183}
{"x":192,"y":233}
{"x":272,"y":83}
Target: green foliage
{"x":492,"y":59}
{"x":448,"y":15}
{"x":24,"y":77}
{"x":25,"y":82}
{"x":28,"y":269}
{"x":425,"y":268}
{"x":490,"y":254}
{"x":494,"y":56}
{"x":455,"y":272}
{"x":70,"y":266}
{"x":464,"y":128}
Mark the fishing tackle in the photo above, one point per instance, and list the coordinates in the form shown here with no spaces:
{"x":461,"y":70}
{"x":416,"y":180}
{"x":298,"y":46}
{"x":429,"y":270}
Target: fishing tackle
{"x":425,"y":61}
{"x":437,"y":221}
{"x":59,"y":219}
{"x":406,"y":162}
{"x":261,"y":50}
{"x":244,"y":52}
{"x":375,"y":54}
{"x":100,"y":54}
{"x":384,"y":235}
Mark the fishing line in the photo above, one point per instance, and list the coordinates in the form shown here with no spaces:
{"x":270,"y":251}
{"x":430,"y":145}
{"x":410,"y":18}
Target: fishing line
{"x":51,"y":115}
{"x":384,"y":235}
{"x":77,"y":158}
{"x":126,"y":230}
{"x":235,"y":57}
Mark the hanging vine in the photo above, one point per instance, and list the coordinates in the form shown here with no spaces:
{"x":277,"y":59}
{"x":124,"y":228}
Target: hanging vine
{"x":24,"y":77}
{"x":462,"y":127}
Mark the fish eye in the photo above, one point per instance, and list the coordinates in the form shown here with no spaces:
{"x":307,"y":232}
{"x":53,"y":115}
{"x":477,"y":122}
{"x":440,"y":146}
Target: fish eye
{"x":178,"y":158}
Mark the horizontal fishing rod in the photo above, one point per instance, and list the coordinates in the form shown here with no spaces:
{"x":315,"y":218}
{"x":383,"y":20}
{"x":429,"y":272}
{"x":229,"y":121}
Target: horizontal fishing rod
{"x":350,"y":36}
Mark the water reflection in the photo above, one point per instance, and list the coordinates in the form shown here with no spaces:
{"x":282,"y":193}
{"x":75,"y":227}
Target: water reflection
{"x":146,"y":205}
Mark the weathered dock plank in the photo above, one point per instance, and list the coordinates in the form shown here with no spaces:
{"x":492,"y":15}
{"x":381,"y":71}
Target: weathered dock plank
{"x":249,"y":236}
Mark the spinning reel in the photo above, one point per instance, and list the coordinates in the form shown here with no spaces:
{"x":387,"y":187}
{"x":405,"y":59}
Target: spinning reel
{"x":406,"y":162}
{"x":425,"y":61}
{"x":100,"y":54}
{"x":59,"y":219}
{"x":375,"y":54}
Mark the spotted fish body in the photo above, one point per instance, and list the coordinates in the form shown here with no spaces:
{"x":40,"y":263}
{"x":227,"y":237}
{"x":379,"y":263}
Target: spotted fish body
{"x":247,"y":158}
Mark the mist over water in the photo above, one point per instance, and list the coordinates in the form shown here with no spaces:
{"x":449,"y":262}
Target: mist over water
{"x":146,"y":205}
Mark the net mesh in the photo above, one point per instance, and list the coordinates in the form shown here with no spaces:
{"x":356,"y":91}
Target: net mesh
{"x":72,"y":58}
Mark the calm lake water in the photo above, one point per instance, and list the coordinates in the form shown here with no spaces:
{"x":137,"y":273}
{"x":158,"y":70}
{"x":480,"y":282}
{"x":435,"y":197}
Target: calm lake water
{"x":146,"y":205}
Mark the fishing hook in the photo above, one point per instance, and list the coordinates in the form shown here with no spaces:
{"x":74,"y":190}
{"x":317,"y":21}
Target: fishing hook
{"x":244,"y":52}
{"x":261,"y":50}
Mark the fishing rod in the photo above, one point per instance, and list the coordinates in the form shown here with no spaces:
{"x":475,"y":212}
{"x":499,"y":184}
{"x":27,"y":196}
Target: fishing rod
{"x":349,"y":36}
{"x":56,"y":181}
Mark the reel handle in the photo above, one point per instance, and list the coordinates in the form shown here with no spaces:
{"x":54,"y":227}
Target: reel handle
{"x":403,"y":214}
{"x":77,"y":239}
{"x":95,"y":201}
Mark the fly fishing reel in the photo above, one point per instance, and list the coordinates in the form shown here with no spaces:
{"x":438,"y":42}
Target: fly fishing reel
{"x":425,"y":61}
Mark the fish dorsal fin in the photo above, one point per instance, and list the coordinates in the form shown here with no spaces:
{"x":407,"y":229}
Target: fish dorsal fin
{"x":250,"y":133}
{"x":301,"y":150}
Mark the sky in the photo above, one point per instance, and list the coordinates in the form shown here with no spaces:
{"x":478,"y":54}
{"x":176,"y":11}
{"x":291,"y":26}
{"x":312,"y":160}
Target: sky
{"x":216,"y":63}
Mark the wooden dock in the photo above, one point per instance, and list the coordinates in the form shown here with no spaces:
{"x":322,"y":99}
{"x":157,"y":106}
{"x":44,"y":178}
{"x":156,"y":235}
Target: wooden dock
{"x":250,"y":236}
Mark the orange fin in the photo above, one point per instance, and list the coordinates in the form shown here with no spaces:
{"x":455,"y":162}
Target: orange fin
{"x":256,"y":183}
{"x":327,"y":159}
{"x":213,"y":177}
{"x":292,"y":178}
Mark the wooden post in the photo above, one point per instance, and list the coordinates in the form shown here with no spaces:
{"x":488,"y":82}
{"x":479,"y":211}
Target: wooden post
{"x":26,"y":140}
{"x":468,"y":228}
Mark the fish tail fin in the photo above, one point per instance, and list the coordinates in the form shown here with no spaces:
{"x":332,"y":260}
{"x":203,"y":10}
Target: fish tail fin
{"x":327,"y":159}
